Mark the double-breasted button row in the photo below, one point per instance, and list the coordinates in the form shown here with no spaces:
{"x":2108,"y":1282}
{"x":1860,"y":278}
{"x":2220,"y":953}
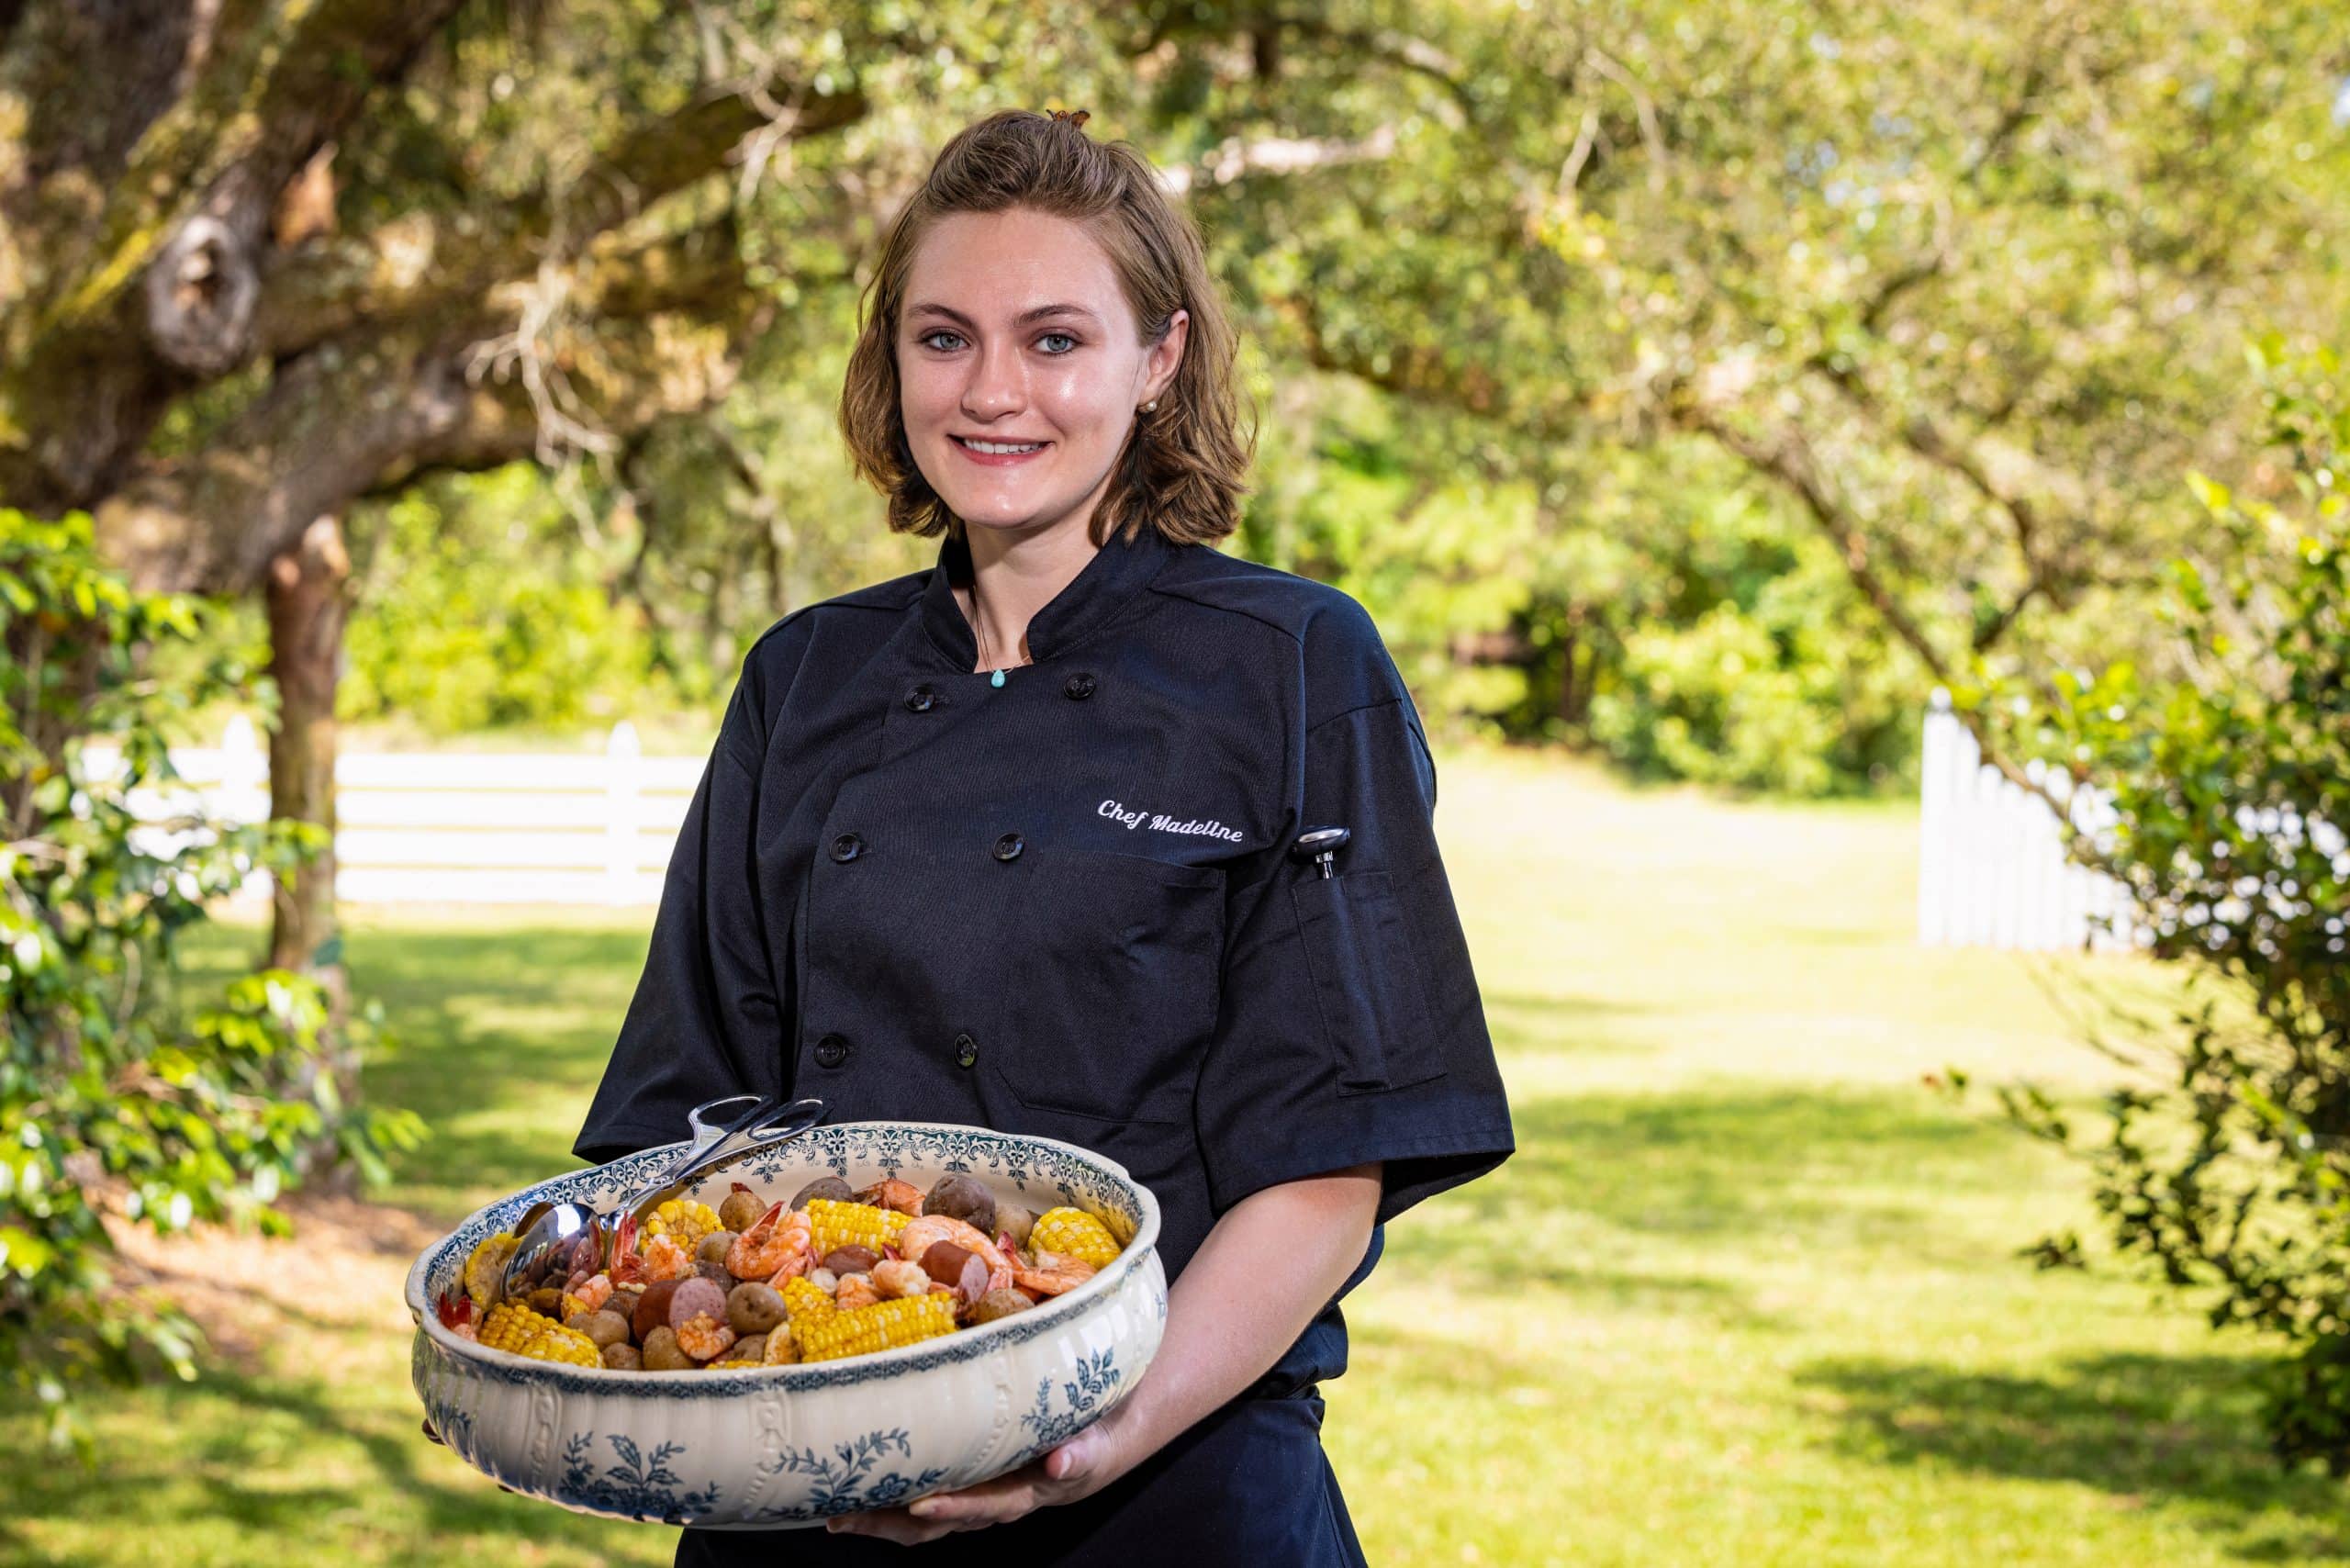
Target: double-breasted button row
{"x":849,"y":845}
{"x":925,"y":697}
{"x":832,"y":1050}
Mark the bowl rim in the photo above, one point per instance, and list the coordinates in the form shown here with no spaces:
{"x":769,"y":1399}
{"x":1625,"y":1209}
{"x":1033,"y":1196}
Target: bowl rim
{"x":962,"y":1345}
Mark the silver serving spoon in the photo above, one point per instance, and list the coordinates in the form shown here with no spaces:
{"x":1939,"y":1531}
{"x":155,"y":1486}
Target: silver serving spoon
{"x":558,"y":1239}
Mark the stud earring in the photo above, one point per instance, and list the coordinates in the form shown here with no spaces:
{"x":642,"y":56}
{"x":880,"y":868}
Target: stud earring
{"x":1148,"y":407}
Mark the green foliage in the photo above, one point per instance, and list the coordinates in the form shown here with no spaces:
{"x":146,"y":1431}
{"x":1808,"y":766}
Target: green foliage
{"x":2230,"y":782}
{"x":1699,"y":384}
{"x":1743,"y":659}
{"x":119,"y":1096}
{"x":477,"y":608}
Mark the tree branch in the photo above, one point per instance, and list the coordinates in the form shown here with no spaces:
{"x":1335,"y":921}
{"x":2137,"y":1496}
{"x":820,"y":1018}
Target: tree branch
{"x":154,"y":287}
{"x":668,"y":320}
{"x":1786,"y":458}
{"x":1415,"y":55}
{"x":414,"y":264}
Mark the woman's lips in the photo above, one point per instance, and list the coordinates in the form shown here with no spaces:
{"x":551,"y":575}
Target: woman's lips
{"x":998,"y":459}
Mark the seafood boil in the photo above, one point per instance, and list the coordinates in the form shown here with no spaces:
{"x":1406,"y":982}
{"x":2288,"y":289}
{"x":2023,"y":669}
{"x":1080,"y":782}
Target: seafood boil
{"x":829,"y":1273}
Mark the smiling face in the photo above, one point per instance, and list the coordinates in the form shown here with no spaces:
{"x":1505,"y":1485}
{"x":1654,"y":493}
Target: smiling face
{"x":1019,"y":372}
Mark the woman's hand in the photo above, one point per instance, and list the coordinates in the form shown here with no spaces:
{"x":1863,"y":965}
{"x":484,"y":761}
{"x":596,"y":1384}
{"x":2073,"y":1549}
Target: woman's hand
{"x":1079,"y":1468}
{"x":1269,"y":1265}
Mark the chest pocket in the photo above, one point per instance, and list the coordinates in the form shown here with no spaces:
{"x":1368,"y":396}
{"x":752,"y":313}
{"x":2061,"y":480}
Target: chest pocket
{"x":1367,"y":980}
{"x":1113,"y":964}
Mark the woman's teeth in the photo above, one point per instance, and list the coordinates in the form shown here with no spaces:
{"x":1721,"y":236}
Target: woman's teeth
{"x":999,"y":446}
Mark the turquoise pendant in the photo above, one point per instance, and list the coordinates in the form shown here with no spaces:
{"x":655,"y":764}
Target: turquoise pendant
{"x":996,"y":680}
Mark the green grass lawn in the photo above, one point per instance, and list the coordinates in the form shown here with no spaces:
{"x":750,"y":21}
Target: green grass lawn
{"x":1748,"y":1294}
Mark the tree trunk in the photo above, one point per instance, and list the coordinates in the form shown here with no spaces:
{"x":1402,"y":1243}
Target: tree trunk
{"x":307,"y":588}
{"x":1574,"y":695}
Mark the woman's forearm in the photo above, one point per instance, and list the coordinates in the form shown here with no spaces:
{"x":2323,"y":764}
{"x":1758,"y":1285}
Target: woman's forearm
{"x":1268,"y":1265}
{"x":1265,"y":1270}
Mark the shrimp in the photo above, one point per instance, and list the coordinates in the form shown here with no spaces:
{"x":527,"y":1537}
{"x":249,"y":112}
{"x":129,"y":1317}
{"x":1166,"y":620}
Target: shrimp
{"x":665,"y":1258}
{"x":772,"y":1249}
{"x":594,"y":1290}
{"x":1053,"y":1273}
{"x":999,"y":1277}
{"x":704,"y":1337}
{"x":628,"y":1264}
{"x":896,"y":1278}
{"x":925,"y":1231}
{"x":857,"y":1290}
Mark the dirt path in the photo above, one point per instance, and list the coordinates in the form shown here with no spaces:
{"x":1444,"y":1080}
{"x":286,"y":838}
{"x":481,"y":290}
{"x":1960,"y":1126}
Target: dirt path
{"x":341,"y":1269}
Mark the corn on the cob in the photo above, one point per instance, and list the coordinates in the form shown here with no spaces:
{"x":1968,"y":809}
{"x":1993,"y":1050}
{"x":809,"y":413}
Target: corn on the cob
{"x":835,"y":1224}
{"x":1073,"y":1233}
{"x":804,"y":1298}
{"x":885,"y":1324}
{"x":685,"y":1219}
{"x":513,"y":1327}
{"x":486,"y":1267}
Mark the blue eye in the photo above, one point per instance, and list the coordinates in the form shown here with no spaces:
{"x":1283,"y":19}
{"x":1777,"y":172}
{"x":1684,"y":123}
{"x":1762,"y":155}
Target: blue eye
{"x":925,"y":341}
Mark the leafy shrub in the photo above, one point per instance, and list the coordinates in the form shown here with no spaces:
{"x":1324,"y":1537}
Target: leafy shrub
{"x":121,"y":1095}
{"x":2226,"y":1164}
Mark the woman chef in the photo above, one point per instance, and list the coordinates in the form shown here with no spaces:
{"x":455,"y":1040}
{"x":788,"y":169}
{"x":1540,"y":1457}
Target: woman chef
{"x":1015,"y":842}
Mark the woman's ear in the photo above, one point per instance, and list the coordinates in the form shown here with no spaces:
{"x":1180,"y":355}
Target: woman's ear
{"x":1167,"y":356}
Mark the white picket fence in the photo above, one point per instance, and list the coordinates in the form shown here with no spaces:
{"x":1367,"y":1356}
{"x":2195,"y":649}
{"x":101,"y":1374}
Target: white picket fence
{"x":584,"y":828}
{"x":1992,"y":870}
{"x":457,"y":827}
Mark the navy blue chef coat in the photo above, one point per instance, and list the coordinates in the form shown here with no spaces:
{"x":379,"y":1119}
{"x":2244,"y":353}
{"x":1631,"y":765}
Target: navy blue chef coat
{"x":1066,"y":906}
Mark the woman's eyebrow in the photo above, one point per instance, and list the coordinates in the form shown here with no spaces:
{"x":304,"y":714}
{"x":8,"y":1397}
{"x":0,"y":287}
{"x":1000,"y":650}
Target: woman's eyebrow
{"x":1037,"y":313}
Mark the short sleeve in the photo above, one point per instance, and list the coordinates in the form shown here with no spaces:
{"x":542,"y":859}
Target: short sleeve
{"x":1349,"y":1027}
{"x":702,"y":1022}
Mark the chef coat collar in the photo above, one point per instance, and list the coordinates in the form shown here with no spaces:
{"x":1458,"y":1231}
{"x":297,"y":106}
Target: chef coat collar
{"x":1103,"y":586}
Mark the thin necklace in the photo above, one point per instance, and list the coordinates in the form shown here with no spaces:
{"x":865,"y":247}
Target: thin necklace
{"x":978,"y":626}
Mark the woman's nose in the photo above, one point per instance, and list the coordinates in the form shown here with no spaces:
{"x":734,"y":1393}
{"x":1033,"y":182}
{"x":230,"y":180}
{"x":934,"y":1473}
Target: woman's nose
{"x":996,"y":386}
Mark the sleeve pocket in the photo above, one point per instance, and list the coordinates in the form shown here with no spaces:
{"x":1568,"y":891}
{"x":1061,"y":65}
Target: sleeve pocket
{"x":1367,"y":982}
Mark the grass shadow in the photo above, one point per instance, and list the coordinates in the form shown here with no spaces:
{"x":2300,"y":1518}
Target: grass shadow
{"x":1821,"y":1162}
{"x":228,"y":1435}
{"x":1628,"y":1200}
{"x":2170,"y":1431}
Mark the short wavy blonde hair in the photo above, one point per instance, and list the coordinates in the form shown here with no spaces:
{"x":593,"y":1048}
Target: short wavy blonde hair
{"x":1184,"y":465}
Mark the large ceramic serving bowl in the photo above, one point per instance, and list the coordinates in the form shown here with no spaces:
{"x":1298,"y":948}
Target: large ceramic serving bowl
{"x":777,"y":1447}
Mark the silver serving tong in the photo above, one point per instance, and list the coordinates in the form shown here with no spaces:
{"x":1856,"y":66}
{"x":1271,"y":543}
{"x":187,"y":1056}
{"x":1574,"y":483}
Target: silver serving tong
{"x":557,"y":1239}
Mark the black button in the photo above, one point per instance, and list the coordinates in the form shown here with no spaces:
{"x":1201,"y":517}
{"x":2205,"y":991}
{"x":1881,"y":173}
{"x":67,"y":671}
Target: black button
{"x":1079,"y":685}
{"x":922,"y":698}
{"x":1008,"y":847}
{"x":831,"y":1051}
{"x":847,"y":846}
{"x":967,"y":1050}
